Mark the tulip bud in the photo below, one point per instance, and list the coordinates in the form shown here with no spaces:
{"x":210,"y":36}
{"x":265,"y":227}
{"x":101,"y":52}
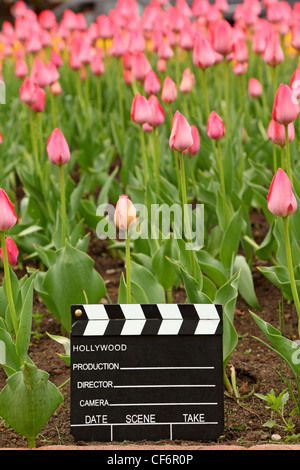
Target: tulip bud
{"x":195,"y":147}
{"x":285,"y":109}
{"x":8,"y":217}
{"x":223,"y":37}
{"x":40,"y":100}
{"x":203,"y":53}
{"x":281,"y":199}
{"x":254,"y":88}
{"x":273,"y":53}
{"x":187,"y":82}
{"x":181,"y":134}
{"x":57,"y":148}
{"x":125,"y":214}
{"x":157,"y":114}
{"x":12,"y":251}
{"x":215,"y":126}
{"x":276,"y":133}
{"x":27,"y":91}
{"x":151,"y":83}
{"x":140,"y":111}
{"x":169,"y":90}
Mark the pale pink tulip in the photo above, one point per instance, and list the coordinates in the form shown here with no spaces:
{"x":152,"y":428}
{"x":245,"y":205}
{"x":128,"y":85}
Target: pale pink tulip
{"x":181,"y":134}
{"x":281,"y":199}
{"x":8,"y":216}
{"x":57,"y":148}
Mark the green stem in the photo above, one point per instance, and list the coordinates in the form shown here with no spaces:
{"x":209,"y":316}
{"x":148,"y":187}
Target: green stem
{"x":121,"y":109}
{"x":222,"y":182}
{"x":144,"y":156}
{"x":186,"y":213}
{"x":79,"y":90}
{"x":290,"y":267}
{"x":9,"y":294}
{"x":53,"y":110}
{"x":193,"y":178}
{"x":282,"y":159}
{"x":274,"y":71}
{"x":288,"y":154}
{"x":128,"y":275}
{"x":63,"y":204}
{"x":156,"y":158}
{"x":99,"y":97}
{"x":204,"y":83}
{"x":31,"y":443}
{"x":226,"y":73}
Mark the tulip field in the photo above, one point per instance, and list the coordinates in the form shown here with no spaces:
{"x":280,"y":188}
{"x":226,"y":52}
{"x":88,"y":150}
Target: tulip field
{"x":159,"y":133}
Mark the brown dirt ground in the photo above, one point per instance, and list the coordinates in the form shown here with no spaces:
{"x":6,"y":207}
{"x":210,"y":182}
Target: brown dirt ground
{"x":258,"y":369}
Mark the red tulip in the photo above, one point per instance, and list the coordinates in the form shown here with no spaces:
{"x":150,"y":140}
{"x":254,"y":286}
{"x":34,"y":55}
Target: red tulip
{"x":169,"y":90}
{"x":157,"y":114}
{"x":21,"y":68}
{"x":8,"y":216}
{"x":223,"y":37}
{"x":40,"y":100}
{"x":125,"y":214}
{"x":140,"y":111}
{"x":285,"y":108}
{"x":273,"y":54}
{"x":254,"y":88}
{"x":57,"y":148}
{"x":276,"y":133}
{"x":215,"y":126}
{"x":39,"y":74}
{"x":12,"y":251}
{"x":203,"y":53}
{"x":281,"y":199}
{"x":195,"y":147}
{"x":181,"y":134}
{"x":27,"y":91}
{"x":151,"y":83}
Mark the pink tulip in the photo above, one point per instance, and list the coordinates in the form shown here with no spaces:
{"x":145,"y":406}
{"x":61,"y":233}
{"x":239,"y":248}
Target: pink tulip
{"x":157,"y":114}
{"x":21,"y":68}
{"x":281,"y":199}
{"x":181,"y":134}
{"x":151,"y":83}
{"x":8,"y":216}
{"x":169,"y":90}
{"x":295,"y":40}
{"x":223,"y":37}
{"x":273,"y":54}
{"x":52,"y":72}
{"x":39,"y":74}
{"x":27,"y":91}
{"x":56,"y":89}
{"x":12,"y":251}
{"x":241,"y":53}
{"x":276,"y":133}
{"x":215,"y":126}
{"x":187,"y":81}
{"x":125,"y":215}
{"x":285,"y":108}
{"x":195,"y":147}
{"x":118,"y":47}
{"x":140,"y":66}
{"x":56,"y":58}
{"x":295,"y":83}
{"x":97,"y":65}
{"x":40,"y":100}
{"x":203,"y":53}
{"x":57,"y":148}
{"x":140,"y":111}
{"x":47,"y":19}
{"x":165,"y":51}
{"x":259,"y":42}
{"x":254,"y":88}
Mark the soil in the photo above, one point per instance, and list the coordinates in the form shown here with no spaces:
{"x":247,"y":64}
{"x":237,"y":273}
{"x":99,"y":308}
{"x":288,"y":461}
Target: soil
{"x":258,"y":369}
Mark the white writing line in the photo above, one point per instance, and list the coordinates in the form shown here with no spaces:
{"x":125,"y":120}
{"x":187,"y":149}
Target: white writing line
{"x":141,"y":424}
{"x":159,"y":404}
{"x":166,"y":368}
{"x":162,"y":386}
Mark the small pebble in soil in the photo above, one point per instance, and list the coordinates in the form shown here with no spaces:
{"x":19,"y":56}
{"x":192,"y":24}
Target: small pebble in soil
{"x":276,"y":437}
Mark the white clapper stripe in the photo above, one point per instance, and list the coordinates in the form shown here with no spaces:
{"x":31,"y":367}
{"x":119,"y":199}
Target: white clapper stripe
{"x":96,"y":312}
{"x":96,"y":328}
{"x":133,"y":312}
{"x":169,"y":311}
{"x":169,"y":327}
{"x":206,"y":327}
{"x":207,"y":311}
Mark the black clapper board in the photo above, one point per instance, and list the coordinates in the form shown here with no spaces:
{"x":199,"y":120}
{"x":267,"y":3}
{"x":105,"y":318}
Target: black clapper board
{"x":146,"y":372}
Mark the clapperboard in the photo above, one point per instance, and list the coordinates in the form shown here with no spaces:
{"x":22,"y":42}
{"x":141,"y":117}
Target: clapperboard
{"x":146,"y":372}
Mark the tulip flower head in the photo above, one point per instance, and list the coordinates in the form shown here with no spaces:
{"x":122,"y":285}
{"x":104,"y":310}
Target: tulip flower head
{"x":140,"y":111}
{"x":254,"y":88}
{"x":157,"y":114}
{"x":195,"y":147}
{"x":12,"y":251}
{"x":8,"y":216}
{"x":276,"y":133}
{"x":215,"y":126}
{"x":125,"y":215}
{"x":181,"y":134}
{"x":169,"y":90}
{"x":285,"y":108}
{"x":281,"y":199}
{"x":57,"y":148}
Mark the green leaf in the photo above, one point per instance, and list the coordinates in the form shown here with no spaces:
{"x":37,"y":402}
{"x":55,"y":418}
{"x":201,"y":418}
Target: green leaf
{"x":25,"y":323}
{"x":69,"y":281}
{"x":28,"y":400}
{"x":284,"y":347}
{"x":166,"y":272}
{"x":148,"y":283}
{"x":231,"y":240}
{"x":246,"y":286}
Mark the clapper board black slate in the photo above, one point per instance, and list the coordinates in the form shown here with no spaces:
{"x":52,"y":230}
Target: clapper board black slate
{"x":146,"y":372}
